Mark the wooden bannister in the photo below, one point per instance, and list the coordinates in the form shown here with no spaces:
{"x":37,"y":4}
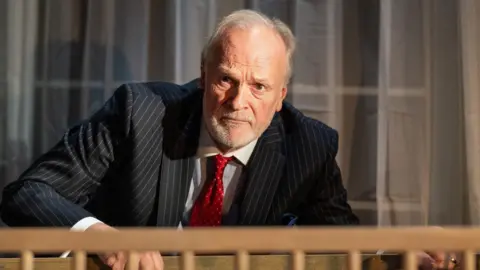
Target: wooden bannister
{"x":242,"y":242}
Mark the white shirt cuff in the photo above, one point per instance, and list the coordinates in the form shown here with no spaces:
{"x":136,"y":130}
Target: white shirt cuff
{"x":81,"y":226}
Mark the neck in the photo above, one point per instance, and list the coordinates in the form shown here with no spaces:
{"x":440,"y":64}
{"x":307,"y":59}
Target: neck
{"x":225,"y":149}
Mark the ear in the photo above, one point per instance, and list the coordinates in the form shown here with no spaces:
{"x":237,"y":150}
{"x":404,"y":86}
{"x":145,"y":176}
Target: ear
{"x":283,"y":94}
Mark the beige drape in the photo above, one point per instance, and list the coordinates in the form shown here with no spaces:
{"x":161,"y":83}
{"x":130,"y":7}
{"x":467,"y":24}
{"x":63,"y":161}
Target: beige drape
{"x":470,"y":20}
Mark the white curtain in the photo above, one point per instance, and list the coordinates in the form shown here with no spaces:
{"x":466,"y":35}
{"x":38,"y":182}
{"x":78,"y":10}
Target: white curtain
{"x":59,"y":61}
{"x":470,"y":20}
{"x":17,"y":62}
{"x":397,"y":78}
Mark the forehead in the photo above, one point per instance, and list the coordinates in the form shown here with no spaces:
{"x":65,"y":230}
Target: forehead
{"x":257,"y":47}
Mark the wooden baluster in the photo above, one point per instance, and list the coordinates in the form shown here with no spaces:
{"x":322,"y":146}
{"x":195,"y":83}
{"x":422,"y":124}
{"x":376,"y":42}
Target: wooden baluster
{"x":133,"y":260}
{"x":354,"y":260}
{"x":298,"y":260}
{"x":242,"y":260}
{"x":79,"y":260}
{"x":410,"y":260}
{"x":187,"y":260}
{"x":469,"y":260}
{"x":27,"y":260}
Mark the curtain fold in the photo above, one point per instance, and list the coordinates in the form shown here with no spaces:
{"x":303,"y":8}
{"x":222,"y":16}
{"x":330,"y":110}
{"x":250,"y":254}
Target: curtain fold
{"x":18,"y":85}
{"x":469,"y":14}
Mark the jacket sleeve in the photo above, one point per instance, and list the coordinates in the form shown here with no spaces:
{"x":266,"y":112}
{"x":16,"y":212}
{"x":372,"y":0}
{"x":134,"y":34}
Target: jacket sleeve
{"x":54,"y":189}
{"x":327,"y":201}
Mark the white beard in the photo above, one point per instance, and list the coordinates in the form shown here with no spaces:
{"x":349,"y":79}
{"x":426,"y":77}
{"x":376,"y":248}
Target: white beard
{"x":220,"y":132}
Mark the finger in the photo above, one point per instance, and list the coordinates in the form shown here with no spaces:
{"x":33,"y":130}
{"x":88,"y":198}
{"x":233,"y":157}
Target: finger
{"x":157,"y":261}
{"x":452,"y":261}
{"x":446,"y":260}
{"x":110,"y":260}
{"x":121,"y":260}
{"x":423,"y":256}
{"x":104,"y":257}
{"x":439,"y":257}
{"x":117,"y":266}
{"x":434,"y":254}
{"x":425,"y":261}
{"x":146,"y":262}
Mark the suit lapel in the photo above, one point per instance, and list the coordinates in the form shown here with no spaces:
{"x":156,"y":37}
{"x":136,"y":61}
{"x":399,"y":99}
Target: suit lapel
{"x":173,"y":189}
{"x":180,"y":144}
{"x":264,"y":171}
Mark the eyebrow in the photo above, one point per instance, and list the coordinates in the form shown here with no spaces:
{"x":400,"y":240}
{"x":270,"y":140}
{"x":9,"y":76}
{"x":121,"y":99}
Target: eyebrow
{"x":224,"y":69}
{"x":262,"y":81}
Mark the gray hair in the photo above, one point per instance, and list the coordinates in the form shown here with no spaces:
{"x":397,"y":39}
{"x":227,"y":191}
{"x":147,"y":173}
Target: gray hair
{"x":245,"y":19}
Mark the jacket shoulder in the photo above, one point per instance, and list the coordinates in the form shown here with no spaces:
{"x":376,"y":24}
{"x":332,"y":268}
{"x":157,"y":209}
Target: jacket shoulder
{"x":166,"y":91}
{"x":309,"y":134}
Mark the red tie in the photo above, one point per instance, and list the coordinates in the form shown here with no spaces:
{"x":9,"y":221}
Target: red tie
{"x":207,"y":210}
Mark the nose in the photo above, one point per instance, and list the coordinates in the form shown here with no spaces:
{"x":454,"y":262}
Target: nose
{"x":238,"y":97}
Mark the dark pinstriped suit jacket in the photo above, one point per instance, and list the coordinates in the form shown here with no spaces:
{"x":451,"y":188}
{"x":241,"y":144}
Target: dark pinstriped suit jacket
{"x":131,"y":163}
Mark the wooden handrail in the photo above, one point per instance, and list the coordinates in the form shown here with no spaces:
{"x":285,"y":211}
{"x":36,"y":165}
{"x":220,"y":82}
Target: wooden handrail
{"x":295,"y":241}
{"x":231,"y":240}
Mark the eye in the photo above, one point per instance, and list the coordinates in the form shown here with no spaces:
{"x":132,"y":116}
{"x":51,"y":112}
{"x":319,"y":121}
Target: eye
{"x":226,"y":79}
{"x":259,"y":87}
{"x":225,"y":82}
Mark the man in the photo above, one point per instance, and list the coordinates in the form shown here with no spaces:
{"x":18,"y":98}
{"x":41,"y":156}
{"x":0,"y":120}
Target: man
{"x":221,"y":150}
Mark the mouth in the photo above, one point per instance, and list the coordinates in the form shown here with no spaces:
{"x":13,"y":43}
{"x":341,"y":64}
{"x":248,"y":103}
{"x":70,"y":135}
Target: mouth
{"x":234,"y":121}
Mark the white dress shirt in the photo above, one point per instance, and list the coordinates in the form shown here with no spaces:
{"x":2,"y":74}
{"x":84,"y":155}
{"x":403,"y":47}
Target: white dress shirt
{"x":231,"y":177}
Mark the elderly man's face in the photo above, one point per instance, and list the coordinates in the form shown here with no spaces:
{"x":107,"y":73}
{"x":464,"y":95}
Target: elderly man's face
{"x":244,"y":83}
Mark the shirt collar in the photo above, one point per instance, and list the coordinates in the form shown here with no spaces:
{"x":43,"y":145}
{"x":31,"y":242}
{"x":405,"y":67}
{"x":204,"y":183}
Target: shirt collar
{"x":207,"y":148}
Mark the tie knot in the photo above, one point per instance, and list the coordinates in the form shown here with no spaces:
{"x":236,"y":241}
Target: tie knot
{"x":222,"y":161}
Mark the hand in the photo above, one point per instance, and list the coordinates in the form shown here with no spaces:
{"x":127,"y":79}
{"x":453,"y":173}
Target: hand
{"x":148,"y":260}
{"x":436,"y":260}
{"x":118,"y":260}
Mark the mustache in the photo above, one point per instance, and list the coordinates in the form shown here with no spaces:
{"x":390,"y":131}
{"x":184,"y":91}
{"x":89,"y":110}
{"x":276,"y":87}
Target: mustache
{"x":235,"y":116}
